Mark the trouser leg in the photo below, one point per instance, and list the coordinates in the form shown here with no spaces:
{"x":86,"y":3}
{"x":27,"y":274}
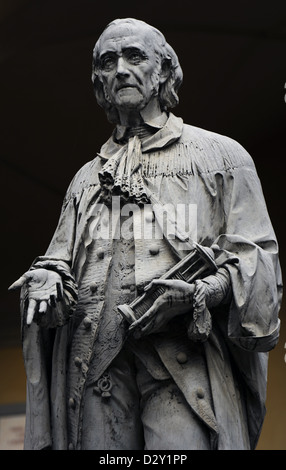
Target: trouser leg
{"x":113,"y":422}
{"x":168,"y":421}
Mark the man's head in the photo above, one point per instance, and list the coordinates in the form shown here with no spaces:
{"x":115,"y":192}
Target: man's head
{"x":132,"y":63}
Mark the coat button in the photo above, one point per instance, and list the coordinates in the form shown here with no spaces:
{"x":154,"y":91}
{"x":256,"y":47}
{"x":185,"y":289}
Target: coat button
{"x":87,"y":323}
{"x":200,"y":393}
{"x":171,"y":235}
{"x":72,"y":403}
{"x":100,"y":253}
{"x":182,"y":358}
{"x":154,"y":250}
{"x":78,"y":361}
{"x":93,"y":287}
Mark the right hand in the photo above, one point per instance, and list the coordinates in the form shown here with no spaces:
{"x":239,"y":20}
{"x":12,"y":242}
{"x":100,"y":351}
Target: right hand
{"x":44,"y":289}
{"x":176,"y":300}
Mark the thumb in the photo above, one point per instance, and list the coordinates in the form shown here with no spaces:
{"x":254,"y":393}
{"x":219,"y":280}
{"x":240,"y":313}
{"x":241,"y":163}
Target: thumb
{"x":19,"y":283}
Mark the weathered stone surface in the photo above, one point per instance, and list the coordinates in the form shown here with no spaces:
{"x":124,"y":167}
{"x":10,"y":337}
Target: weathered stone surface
{"x":191,"y":371}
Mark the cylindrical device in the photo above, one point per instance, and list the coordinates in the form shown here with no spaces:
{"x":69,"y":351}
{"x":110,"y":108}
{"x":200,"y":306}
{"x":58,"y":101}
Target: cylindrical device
{"x":198,"y":264}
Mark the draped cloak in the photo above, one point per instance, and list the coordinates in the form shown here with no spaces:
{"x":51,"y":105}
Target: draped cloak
{"x":179,"y":164}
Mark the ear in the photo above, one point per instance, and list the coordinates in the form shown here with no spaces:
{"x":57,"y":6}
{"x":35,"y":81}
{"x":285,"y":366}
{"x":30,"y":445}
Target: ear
{"x":165,"y":70}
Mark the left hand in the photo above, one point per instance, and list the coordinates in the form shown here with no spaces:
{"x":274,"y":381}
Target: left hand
{"x":176,"y":300}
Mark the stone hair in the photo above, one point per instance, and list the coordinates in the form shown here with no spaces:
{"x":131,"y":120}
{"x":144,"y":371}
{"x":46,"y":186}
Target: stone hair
{"x":168,"y":96}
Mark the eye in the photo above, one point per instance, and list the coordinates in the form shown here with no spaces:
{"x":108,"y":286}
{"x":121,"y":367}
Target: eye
{"x":135,"y":56}
{"x":107,"y":62}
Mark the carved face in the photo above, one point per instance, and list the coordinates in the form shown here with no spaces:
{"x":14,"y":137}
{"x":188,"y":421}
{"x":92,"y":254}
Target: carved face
{"x":129,"y":67}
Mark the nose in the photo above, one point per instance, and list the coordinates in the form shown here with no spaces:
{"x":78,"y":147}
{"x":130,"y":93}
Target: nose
{"x":122,"y":68}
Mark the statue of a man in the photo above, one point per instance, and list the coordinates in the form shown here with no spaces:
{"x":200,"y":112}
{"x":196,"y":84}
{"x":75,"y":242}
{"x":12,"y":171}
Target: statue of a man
{"x":93,"y":380}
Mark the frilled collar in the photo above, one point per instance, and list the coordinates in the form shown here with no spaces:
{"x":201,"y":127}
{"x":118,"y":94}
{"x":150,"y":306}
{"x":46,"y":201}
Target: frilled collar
{"x":165,"y":134}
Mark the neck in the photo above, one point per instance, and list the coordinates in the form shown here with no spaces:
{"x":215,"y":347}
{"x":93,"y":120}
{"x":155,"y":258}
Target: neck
{"x":135,"y":118}
{"x":130,"y":118}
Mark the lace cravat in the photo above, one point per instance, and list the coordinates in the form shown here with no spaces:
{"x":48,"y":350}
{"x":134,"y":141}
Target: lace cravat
{"x":122,"y":174}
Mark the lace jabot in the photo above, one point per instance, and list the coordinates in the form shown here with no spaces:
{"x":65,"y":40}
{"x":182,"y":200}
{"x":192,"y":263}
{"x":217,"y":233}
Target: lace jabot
{"x":121,"y":175}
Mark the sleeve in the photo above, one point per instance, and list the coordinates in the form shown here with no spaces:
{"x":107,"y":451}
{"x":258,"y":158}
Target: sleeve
{"x":43,"y":360}
{"x":58,"y":258}
{"x":248,"y":250}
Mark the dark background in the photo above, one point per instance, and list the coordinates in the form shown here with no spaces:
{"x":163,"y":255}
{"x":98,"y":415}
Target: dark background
{"x":233,"y":56}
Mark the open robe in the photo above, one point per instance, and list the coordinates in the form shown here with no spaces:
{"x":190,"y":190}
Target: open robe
{"x":179,"y":164}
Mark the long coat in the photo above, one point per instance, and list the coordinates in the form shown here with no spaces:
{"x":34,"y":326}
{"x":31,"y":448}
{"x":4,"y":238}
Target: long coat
{"x":180,"y":164}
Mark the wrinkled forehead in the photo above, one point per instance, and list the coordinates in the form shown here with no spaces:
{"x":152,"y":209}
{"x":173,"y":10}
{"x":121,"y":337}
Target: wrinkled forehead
{"x":127,"y":34}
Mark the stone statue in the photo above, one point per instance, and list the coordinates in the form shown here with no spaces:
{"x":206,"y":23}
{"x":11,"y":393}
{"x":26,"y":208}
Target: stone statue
{"x":160,"y":197}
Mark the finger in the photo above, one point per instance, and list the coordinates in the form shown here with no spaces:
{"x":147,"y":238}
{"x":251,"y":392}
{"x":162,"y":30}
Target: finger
{"x":19,"y":283}
{"x":31,"y":311}
{"x":155,"y":282}
{"x":140,"y":331}
{"x":177,"y":295}
{"x":149,"y":286}
{"x":152,"y":310}
{"x":43,"y":306}
{"x":60,"y":293}
{"x":146,"y":317}
{"x":168,"y":283}
{"x":52,"y":301}
{"x":151,"y":326}
{"x":162,"y":282}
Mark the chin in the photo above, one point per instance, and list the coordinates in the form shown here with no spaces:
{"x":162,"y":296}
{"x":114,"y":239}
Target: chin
{"x":131,"y":104}
{"x":130,"y":98}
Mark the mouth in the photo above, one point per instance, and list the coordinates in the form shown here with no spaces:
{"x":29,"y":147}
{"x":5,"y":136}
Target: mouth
{"x":125,"y":85}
